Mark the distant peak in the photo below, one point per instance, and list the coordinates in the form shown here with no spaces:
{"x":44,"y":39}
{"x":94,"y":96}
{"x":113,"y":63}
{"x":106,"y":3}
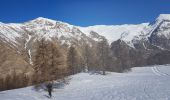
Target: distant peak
{"x":163,"y":17}
{"x":42,"y":18}
{"x":39,"y":18}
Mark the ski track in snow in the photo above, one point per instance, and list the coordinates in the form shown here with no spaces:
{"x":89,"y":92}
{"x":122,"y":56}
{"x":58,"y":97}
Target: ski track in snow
{"x":143,"y":83}
{"x":157,"y":71}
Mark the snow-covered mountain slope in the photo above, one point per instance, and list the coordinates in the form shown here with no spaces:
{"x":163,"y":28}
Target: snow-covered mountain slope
{"x":47,"y":28}
{"x":10,"y":32}
{"x":22,"y":34}
{"x":143,"y":83}
{"x":159,"y":33}
{"x":114,"y":32}
{"x":130,"y":33}
{"x":161,"y":21}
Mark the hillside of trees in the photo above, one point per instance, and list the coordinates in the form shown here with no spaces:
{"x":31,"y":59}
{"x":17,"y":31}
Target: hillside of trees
{"x":52,"y":61}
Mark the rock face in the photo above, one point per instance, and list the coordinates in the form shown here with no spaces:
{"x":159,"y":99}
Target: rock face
{"x":131,"y":45}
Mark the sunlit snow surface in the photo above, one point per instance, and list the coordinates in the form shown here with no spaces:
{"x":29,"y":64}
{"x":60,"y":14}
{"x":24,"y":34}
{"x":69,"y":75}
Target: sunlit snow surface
{"x":142,"y":83}
{"x":125,"y":32}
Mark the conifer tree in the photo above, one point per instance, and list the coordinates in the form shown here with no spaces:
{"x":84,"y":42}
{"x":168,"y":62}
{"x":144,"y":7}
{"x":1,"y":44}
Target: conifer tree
{"x":73,"y":60}
{"x":49,"y":61}
{"x":103,"y":51}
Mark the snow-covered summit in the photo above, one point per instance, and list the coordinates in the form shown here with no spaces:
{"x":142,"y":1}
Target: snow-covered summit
{"x":161,"y":21}
{"x":163,"y":17}
{"x":46,"y":21}
{"x":43,"y":20}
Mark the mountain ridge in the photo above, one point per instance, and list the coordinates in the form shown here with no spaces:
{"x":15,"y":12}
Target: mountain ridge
{"x":145,"y":40}
{"x":115,"y":33}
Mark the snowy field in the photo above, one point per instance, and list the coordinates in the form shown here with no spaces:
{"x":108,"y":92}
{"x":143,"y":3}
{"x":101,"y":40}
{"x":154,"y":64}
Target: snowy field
{"x":146,"y":83}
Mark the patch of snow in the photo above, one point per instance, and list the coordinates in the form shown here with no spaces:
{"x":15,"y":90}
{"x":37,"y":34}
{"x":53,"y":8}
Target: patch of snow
{"x":30,"y":60}
{"x":160,"y":47}
{"x":144,"y":46}
{"x":163,"y":17}
{"x":29,"y":38}
{"x":164,"y":30}
{"x":43,"y":20}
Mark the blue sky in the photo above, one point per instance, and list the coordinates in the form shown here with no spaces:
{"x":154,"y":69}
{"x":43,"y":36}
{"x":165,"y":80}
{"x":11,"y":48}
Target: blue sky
{"x":84,"y":12}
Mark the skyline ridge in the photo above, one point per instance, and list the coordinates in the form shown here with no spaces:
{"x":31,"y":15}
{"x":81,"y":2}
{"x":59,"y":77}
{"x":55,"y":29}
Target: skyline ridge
{"x":166,"y":16}
{"x":84,"y":13}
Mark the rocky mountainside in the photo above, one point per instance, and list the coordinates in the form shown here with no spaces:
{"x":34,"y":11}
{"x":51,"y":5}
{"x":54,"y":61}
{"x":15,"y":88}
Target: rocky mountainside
{"x":150,"y":46}
{"x":131,"y":45}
